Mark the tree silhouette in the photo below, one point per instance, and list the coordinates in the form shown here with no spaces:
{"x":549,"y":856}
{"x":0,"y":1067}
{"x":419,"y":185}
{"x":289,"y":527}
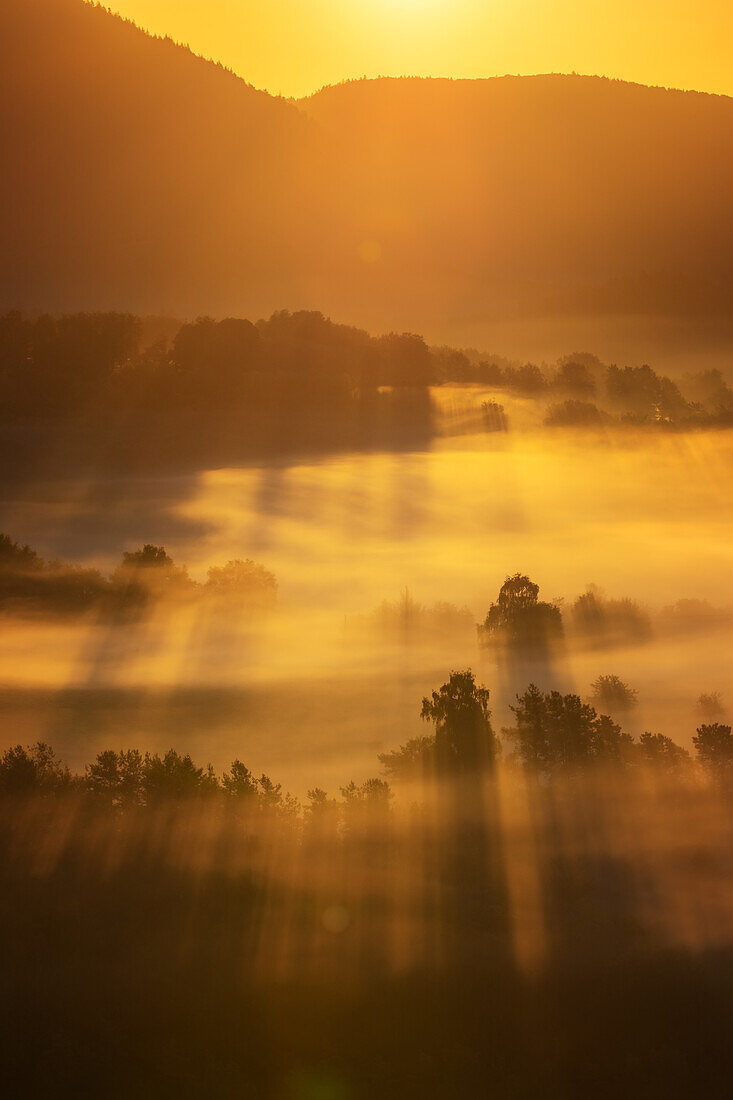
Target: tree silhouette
{"x":605,"y":621}
{"x":149,"y":572}
{"x":464,"y":739}
{"x":118,"y":776}
{"x":239,"y":782}
{"x":710,"y":705}
{"x":611,"y":692}
{"x":574,"y":378}
{"x":176,"y":776}
{"x":413,"y":760}
{"x":663,"y":754}
{"x":714,"y":747}
{"x":33,"y":770}
{"x":556,"y":733}
{"x":573,"y":413}
{"x":243,"y":581}
{"x":520,"y":619}
{"x":371,"y":795}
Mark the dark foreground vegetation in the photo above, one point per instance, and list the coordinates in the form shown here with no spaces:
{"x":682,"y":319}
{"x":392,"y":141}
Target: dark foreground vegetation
{"x":545,"y":912}
{"x":112,"y":392}
{"x":553,"y":736}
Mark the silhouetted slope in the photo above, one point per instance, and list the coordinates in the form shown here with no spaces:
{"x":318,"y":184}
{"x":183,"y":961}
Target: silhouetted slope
{"x":552,"y":194}
{"x":143,"y":178}
{"x":139,"y":175}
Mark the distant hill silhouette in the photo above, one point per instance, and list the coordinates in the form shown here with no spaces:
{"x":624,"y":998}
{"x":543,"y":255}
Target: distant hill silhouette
{"x":536,"y":197}
{"x":141,"y":177}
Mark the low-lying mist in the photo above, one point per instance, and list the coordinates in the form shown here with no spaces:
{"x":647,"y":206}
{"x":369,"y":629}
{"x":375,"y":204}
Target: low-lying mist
{"x":384,"y":565}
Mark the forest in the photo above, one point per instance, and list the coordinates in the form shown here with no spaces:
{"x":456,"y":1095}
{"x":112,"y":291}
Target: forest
{"x":143,"y":578}
{"x":366,"y":543}
{"x":554,"y":737}
{"x":411,"y":935}
{"x":178,"y":187}
{"x":86,"y":391}
{"x":96,"y":392}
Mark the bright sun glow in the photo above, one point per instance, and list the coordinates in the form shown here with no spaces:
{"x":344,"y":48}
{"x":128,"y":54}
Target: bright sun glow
{"x":293,"y":47}
{"x":366,"y":549}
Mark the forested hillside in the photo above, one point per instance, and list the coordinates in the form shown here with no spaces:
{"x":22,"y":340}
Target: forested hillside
{"x":141,"y":177}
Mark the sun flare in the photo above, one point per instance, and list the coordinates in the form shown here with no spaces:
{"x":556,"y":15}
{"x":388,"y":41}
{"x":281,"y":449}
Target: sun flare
{"x":366,"y":549}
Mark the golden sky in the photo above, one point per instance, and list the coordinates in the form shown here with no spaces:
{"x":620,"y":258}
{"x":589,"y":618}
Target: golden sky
{"x":294,"y":47}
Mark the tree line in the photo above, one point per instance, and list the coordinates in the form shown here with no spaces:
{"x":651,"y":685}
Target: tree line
{"x":112,"y":390}
{"x":519,"y":623}
{"x":553,"y":735}
{"x":581,"y":389}
{"x":143,"y":576}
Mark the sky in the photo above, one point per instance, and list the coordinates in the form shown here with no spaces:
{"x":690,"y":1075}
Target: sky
{"x":294,"y":47}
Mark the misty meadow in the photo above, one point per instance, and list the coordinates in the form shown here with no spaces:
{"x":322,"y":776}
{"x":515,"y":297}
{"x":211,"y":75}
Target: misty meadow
{"x":366,"y":543}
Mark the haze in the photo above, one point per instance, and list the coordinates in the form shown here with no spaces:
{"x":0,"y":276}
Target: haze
{"x":366,"y":550}
{"x":293,"y":48}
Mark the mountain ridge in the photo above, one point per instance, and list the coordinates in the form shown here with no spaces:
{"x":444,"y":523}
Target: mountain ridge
{"x":473,"y":80}
{"x":143,"y":177}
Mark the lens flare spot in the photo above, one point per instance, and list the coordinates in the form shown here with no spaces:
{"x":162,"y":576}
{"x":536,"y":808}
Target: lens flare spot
{"x":370,"y":251}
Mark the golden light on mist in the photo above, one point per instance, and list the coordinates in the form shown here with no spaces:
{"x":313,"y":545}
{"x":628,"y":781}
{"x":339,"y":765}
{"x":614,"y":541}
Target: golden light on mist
{"x":365,"y":687}
{"x":647,"y":520}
